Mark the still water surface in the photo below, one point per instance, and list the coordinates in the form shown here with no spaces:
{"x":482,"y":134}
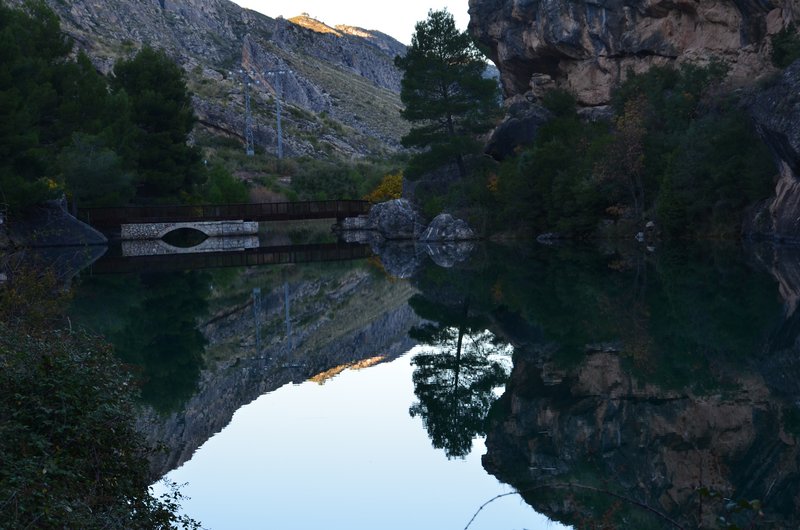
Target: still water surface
{"x":610,"y":388}
{"x":342,"y":455}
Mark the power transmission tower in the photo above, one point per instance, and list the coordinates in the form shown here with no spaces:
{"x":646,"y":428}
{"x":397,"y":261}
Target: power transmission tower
{"x":278,"y":93}
{"x":256,"y":315}
{"x":248,"y":114}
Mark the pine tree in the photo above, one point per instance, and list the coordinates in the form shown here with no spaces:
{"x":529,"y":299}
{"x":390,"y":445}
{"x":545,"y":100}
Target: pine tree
{"x":163,"y":117}
{"x":445,"y":94}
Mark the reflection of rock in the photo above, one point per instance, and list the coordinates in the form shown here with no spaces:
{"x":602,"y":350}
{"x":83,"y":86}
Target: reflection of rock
{"x":601,"y":427}
{"x":335,"y":320}
{"x":777,"y":118}
{"x":445,"y":227}
{"x":65,"y":262}
{"x":401,"y":259}
{"x":449,"y":253}
{"x":50,"y":225}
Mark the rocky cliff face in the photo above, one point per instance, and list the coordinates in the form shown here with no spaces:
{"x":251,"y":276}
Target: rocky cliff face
{"x":603,"y":430}
{"x":776,"y":113}
{"x":347,"y":73}
{"x":589,"y":46}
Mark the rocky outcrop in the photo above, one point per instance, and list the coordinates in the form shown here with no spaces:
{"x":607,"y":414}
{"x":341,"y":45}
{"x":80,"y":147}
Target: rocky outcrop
{"x":520,"y":127}
{"x":776,"y":113}
{"x":398,"y":219}
{"x":50,"y":225}
{"x":392,"y":220}
{"x":395,"y":219}
{"x":445,"y":227}
{"x":589,"y":46}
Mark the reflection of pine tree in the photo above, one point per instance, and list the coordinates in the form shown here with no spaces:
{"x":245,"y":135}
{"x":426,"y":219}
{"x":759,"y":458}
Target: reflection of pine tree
{"x":163,"y":338}
{"x":455,"y":377}
{"x":152,"y":322}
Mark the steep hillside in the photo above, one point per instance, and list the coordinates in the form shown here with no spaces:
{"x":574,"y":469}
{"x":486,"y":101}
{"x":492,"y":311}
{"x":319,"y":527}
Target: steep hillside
{"x":340,"y":89}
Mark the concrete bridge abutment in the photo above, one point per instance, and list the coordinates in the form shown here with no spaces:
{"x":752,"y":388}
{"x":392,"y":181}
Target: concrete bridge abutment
{"x":145,"y":231}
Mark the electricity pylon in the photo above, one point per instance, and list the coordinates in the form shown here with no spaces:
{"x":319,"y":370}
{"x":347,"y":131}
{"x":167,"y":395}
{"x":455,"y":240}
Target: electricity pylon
{"x":278,"y":93}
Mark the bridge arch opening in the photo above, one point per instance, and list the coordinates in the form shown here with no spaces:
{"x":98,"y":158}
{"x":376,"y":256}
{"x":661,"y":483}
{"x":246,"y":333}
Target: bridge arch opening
{"x":184,"y":237}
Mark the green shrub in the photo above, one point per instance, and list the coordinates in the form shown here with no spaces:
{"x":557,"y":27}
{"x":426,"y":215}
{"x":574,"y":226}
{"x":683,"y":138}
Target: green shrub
{"x":223,"y":188}
{"x":678,"y":151}
{"x":785,"y":47}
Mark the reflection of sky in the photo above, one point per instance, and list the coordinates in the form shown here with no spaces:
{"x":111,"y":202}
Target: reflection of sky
{"x":344,"y":455}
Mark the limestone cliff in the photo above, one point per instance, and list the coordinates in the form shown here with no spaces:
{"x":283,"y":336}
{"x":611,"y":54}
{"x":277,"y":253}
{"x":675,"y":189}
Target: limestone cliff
{"x":589,"y":46}
{"x":341,"y":88}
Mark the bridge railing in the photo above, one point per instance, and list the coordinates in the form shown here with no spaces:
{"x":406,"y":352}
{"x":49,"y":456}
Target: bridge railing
{"x":268,"y":211}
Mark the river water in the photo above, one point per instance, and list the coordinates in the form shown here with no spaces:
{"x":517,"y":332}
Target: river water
{"x":521,"y":388}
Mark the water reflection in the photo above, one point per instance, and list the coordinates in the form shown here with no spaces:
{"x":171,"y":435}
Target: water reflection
{"x":645,"y":390}
{"x":152,"y":321}
{"x":455,"y":375}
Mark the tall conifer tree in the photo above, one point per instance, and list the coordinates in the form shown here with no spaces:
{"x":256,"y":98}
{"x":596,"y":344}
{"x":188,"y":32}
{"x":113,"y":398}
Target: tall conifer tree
{"x":446,"y":97}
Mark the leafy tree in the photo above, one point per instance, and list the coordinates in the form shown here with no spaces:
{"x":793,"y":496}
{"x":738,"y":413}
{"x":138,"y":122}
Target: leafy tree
{"x":222,"y":187}
{"x":33,"y":53}
{"x":45,"y":99}
{"x":446,"y":97}
{"x":785,"y":46}
{"x":94,"y":173}
{"x":624,"y":159}
{"x":70,"y":451}
{"x":391,"y":187}
{"x":551,"y":184}
{"x":163,"y":117}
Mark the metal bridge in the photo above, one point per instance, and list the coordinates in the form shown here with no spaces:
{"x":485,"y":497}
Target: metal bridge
{"x":106,"y":218}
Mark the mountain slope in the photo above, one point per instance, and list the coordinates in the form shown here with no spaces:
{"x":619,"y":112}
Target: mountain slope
{"x":341,"y":89}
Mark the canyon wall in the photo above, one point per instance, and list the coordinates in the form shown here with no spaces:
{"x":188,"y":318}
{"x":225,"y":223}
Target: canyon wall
{"x":589,"y":46}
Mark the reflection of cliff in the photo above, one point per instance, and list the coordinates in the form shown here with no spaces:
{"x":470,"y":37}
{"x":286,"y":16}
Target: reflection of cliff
{"x":336,"y":318}
{"x":600,"y":427}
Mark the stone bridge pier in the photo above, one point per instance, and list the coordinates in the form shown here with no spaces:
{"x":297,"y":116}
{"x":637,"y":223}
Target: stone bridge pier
{"x":144,"y":231}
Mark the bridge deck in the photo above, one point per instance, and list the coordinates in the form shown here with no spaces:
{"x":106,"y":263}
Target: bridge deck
{"x":269,"y":211}
{"x":237,"y":258}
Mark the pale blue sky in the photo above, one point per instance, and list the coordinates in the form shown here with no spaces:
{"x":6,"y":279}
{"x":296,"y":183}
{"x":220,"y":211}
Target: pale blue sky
{"x":395,"y":18}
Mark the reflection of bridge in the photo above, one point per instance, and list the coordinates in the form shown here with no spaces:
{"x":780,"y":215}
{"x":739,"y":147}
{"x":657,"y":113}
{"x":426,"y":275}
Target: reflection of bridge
{"x":238,"y":258}
{"x":269,"y":211}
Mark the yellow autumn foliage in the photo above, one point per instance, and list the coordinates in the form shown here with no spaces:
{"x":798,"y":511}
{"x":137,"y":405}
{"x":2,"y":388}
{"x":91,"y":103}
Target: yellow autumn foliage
{"x":391,"y":187}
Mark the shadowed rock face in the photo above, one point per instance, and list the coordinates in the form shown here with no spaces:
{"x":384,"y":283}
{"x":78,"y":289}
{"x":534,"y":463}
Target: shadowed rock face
{"x":599,"y":427}
{"x":588,"y":46}
{"x":777,"y":118}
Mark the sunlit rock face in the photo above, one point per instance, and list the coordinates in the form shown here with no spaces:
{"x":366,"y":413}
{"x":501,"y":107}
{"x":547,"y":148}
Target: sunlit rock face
{"x":589,"y":46}
{"x":566,"y":437}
